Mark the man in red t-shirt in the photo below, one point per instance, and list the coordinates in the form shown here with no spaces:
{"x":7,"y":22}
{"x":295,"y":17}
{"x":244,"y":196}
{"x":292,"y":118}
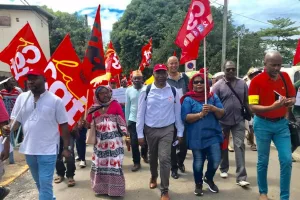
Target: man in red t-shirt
{"x":270,"y":95}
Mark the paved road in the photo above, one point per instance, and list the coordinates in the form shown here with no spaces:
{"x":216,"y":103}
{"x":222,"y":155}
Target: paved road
{"x":181,"y":189}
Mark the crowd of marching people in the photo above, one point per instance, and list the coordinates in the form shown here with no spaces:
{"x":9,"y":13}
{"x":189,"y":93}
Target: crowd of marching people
{"x":160,"y":122}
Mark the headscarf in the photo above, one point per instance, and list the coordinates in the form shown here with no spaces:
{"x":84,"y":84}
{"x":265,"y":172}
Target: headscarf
{"x":198,"y":96}
{"x":97,"y":103}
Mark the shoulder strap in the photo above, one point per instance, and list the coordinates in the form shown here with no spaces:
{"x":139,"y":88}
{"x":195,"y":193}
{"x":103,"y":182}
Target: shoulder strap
{"x":237,"y":96}
{"x":186,"y":80}
{"x":174,"y":93}
{"x":286,"y":89}
{"x":148,"y":90}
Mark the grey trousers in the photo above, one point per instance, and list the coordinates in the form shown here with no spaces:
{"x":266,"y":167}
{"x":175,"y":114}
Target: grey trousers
{"x":238,"y":136}
{"x":159,"y":143}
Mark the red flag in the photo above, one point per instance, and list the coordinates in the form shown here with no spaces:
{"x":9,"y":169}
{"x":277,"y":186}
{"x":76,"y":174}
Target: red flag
{"x":93,"y":62}
{"x":297,"y":54}
{"x":63,"y":79}
{"x":112,"y":61}
{"x":146,"y":55}
{"x":23,"y":53}
{"x":174,"y":53}
{"x":197,"y":24}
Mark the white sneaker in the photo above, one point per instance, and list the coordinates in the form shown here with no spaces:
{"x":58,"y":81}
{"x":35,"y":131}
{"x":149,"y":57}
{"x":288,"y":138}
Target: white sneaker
{"x":82,"y":164}
{"x":224,"y":174}
{"x":243,"y":183}
{"x":77,"y":158}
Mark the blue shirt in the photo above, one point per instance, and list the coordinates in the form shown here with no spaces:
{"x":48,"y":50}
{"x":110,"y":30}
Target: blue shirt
{"x":206,"y":131}
{"x":131,"y":105}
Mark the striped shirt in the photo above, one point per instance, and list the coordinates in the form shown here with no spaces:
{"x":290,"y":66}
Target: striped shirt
{"x":10,"y":98}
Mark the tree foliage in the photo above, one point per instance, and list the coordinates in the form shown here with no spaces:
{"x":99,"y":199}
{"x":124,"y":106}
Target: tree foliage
{"x":68,"y":23}
{"x":162,"y":19}
{"x":279,"y":37}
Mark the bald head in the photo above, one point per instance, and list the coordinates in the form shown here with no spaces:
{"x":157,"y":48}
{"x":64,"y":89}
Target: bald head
{"x":173,"y":64}
{"x":273,"y":63}
{"x":272,"y":55}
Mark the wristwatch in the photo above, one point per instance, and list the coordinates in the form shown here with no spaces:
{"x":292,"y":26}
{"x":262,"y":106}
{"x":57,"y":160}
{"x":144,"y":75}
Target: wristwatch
{"x":69,"y":148}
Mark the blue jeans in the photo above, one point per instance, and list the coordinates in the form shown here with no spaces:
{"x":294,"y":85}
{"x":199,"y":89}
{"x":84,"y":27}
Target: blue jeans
{"x":278,"y":132}
{"x":42,"y":169}
{"x":213,"y":155}
{"x":81,"y":144}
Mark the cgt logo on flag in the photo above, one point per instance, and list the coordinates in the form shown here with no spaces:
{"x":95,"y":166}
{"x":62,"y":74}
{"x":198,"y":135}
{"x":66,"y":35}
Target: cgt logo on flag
{"x":197,"y":24}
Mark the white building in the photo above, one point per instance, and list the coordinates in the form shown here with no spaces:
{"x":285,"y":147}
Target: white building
{"x":13,"y":18}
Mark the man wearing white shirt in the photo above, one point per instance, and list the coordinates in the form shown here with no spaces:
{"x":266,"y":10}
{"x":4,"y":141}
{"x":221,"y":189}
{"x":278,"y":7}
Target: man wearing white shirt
{"x":41,"y":117}
{"x":158,"y":112}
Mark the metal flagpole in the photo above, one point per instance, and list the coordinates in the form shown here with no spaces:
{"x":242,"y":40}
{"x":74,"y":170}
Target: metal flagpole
{"x":205,"y":83}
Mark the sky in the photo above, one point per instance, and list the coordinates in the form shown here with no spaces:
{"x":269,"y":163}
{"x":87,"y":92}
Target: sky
{"x":253,"y":13}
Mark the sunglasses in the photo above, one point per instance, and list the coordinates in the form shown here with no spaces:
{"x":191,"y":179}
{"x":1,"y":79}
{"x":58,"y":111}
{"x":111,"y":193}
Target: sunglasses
{"x":230,"y":69}
{"x":197,"y":82}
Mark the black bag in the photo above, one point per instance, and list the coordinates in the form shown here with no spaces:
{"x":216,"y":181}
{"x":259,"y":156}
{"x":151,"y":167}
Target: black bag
{"x":246,"y":113}
{"x":293,"y":126}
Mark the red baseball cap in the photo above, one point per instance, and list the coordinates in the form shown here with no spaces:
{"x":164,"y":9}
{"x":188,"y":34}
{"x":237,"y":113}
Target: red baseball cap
{"x":35,"y":71}
{"x":160,"y":67}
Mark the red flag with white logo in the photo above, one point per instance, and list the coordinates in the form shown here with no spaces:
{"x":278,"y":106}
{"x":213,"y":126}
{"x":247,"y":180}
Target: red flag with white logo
{"x":297,"y":54}
{"x":23,"y":53}
{"x":146,"y":55}
{"x":63,"y":79}
{"x":197,"y":24}
{"x":112,"y":61}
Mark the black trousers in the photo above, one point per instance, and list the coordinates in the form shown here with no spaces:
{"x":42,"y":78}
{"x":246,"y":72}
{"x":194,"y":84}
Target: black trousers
{"x":177,"y":159}
{"x":61,"y":170}
{"x":136,"y":154}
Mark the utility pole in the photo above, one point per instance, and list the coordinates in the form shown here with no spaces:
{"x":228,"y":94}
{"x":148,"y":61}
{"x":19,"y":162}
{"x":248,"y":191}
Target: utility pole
{"x":224,"y":33}
{"x":238,"y":56}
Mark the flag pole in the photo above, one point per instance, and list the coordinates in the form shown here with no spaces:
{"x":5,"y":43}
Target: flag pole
{"x":19,"y":112}
{"x":205,"y":83}
{"x":87,"y":100}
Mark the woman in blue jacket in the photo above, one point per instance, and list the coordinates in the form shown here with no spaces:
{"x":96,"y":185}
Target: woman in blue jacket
{"x":204,"y":134}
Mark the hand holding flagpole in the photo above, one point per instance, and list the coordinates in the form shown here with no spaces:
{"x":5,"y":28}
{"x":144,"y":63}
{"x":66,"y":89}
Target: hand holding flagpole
{"x":14,"y":122}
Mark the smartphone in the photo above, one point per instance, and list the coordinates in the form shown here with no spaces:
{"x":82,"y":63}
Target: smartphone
{"x":277,"y":96}
{"x":175,"y":143}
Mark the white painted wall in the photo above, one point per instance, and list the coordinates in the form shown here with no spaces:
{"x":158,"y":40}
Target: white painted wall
{"x":41,"y":31}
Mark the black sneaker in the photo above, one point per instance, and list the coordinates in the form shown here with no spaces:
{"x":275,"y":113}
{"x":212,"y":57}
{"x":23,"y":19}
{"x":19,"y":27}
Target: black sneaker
{"x":4,"y":191}
{"x":211,"y":185}
{"x":181,"y":168}
{"x":198,"y":190}
{"x":174,"y":174}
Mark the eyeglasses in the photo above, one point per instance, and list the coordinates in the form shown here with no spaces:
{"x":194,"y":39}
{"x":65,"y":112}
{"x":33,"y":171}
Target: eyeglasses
{"x":197,"y":82}
{"x":230,"y":69}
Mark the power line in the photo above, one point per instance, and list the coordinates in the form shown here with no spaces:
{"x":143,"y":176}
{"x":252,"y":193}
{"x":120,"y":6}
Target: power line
{"x":243,"y":15}
{"x":34,"y":12}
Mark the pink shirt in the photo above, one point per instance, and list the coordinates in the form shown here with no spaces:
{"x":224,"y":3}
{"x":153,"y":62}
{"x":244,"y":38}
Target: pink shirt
{"x":3,"y":112}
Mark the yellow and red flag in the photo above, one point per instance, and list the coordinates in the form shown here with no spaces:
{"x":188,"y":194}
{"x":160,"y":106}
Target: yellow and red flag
{"x":63,"y":79}
{"x":23,"y":53}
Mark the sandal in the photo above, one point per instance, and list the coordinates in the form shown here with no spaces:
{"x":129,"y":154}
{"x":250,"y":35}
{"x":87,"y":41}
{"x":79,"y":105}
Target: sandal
{"x":71,"y":182}
{"x":253,"y":147}
{"x":58,"y":179}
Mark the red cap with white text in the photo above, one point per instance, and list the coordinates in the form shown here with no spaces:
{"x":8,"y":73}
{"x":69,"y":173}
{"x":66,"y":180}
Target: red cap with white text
{"x":160,"y":67}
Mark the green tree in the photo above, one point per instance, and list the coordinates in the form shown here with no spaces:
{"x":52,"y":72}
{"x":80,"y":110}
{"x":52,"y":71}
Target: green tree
{"x":73,"y":24}
{"x":161,"y":20}
{"x":279,"y":37}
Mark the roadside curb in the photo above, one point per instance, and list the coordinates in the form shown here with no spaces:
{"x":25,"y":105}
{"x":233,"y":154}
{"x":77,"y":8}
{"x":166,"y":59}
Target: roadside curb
{"x":19,"y":173}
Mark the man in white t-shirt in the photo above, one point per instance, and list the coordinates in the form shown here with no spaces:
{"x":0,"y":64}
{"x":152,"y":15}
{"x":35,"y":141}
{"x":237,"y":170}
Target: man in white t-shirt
{"x":41,"y":116}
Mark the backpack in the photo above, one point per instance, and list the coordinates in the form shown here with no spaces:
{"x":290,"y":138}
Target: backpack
{"x":149,"y":88}
{"x":186,"y":80}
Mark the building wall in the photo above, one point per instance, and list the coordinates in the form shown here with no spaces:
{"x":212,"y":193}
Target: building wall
{"x":40,"y":29}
